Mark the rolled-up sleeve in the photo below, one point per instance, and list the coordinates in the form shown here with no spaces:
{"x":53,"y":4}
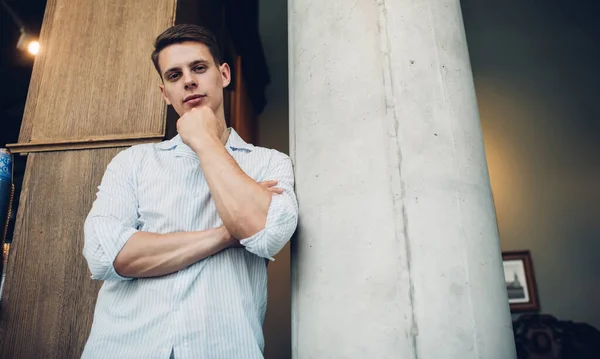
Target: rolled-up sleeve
{"x":113,"y":218}
{"x":282,"y":216}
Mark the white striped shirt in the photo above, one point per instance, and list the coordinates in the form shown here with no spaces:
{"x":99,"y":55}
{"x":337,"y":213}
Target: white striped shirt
{"x":215,"y":308}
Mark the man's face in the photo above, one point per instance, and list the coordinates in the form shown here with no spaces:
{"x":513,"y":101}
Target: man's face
{"x":191,"y":78}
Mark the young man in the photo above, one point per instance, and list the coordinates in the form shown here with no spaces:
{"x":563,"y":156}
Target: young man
{"x":180,"y":230}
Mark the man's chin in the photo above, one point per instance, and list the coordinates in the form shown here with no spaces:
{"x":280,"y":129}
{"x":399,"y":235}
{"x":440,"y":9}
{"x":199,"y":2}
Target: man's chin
{"x":189,"y":107}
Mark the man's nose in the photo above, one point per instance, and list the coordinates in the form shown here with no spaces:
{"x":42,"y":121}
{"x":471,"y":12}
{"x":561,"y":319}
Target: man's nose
{"x":189,"y":80}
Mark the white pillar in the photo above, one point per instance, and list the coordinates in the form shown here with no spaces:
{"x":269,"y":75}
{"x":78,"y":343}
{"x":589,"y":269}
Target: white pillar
{"x":397,"y":254}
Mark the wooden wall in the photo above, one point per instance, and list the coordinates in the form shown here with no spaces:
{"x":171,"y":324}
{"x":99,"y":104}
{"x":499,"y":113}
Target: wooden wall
{"x":93,"y":90}
{"x":91,"y":85}
{"x":49,"y":298}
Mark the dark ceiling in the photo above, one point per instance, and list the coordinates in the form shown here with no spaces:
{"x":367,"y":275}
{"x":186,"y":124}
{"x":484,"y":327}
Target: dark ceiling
{"x":16,"y":66}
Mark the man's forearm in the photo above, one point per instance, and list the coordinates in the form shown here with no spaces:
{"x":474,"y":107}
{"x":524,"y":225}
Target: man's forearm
{"x":151,"y":255}
{"x":241,"y":202}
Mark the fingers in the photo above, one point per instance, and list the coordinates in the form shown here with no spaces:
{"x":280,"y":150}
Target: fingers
{"x":267,"y":184}
{"x":276,"y":190}
{"x":270,"y":185}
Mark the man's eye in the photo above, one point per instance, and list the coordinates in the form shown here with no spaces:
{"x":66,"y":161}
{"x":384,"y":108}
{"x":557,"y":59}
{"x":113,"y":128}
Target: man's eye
{"x":199,"y":68}
{"x":173,"y":76}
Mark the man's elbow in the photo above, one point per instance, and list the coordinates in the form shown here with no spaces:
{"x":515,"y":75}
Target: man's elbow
{"x":121,"y":266}
{"x":248,"y":226}
{"x":97,"y":266}
{"x":250,"y":219}
{"x":101,"y":236}
{"x":100,"y":266}
{"x":125,"y":266}
{"x":273,"y":238}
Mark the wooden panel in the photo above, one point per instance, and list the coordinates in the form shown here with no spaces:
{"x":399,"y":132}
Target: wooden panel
{"x":94,"y":76}
{"x":97,"y":142}
{"x":49,"y":298}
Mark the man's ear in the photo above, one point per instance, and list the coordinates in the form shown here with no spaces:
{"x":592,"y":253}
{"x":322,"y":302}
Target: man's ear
{"x":225,"y":74}
{"x":164,"y":94}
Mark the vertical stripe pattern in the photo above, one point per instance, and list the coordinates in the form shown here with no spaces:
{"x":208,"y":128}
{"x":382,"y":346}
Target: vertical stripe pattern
{"x":215,"y":308}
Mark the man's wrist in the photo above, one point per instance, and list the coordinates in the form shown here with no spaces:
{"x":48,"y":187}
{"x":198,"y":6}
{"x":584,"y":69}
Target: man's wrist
{"x":204,"y":141}
{"x":225,"y":237}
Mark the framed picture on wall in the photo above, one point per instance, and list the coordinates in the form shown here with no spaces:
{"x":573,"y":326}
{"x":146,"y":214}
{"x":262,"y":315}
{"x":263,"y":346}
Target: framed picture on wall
{"x":520,"y":281}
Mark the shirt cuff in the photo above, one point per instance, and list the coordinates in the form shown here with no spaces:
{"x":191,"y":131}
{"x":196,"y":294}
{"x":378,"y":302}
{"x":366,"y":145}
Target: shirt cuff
{"x":264,"y":242}
{"x":101,"y":252}
{"x":111,"y":273}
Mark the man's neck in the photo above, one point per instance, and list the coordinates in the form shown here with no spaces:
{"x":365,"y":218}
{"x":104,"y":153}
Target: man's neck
{"x":221,"y":118}
{"x":225,"y":134}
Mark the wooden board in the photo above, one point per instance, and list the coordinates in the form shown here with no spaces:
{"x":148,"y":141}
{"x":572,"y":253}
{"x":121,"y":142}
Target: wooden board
{"x":93,"y":85}
{"x":82,"y":144}
{"x":49,"y":298}
{"x":93,"y":76}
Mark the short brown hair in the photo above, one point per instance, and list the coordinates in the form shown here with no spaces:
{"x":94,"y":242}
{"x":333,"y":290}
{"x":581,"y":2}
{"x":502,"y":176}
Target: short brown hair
{"x":182,"y":33}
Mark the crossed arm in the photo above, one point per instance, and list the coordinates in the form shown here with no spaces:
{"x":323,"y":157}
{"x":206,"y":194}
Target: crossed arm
{"x":115,"y":250}
{"x":152,"y":254}
{"x":149,"y":254}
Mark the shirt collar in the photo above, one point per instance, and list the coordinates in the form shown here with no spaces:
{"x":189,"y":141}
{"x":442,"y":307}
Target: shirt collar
{"x":234,"y":142}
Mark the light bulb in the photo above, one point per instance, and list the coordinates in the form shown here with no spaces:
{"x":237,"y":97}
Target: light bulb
{"x":33,"y":47}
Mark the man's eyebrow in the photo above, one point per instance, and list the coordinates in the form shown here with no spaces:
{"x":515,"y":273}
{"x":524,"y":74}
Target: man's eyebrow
{"x":191,"y":64}
{"x":197,"y":62}
{"x":172,"y":69}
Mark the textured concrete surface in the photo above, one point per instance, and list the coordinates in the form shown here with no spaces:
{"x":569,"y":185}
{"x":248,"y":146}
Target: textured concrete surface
{"x":397,"y":254}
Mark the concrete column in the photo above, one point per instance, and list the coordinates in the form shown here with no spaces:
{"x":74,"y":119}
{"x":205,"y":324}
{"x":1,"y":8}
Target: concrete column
{"x":397,"y":254}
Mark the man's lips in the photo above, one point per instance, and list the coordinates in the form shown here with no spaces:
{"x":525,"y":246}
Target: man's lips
{"x":193,"y":98}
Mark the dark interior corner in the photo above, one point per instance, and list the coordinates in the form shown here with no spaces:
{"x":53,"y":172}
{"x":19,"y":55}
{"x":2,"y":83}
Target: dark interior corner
{"x":15,"y":70}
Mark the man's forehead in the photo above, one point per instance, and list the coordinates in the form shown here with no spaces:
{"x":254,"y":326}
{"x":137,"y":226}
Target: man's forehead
{"x":182,"y":54}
